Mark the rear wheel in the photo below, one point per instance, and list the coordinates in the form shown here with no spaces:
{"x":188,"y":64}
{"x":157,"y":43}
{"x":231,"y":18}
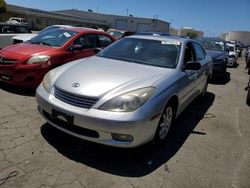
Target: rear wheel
{"x":204,"y":91}
{"x":248,"y":97}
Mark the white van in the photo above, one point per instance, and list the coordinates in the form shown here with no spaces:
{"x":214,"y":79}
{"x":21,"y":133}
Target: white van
{"x":232,"y":54}
{"x":16,"y":20}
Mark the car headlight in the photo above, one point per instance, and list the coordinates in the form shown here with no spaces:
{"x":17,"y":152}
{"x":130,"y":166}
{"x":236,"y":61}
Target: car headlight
{"x":46,"y":83}
{"x":38,"y":59}
{"x":130,"y":101}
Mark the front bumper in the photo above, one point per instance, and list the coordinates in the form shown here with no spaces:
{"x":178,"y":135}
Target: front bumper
{"x":28,"y":76}
{"x":97,"y":125}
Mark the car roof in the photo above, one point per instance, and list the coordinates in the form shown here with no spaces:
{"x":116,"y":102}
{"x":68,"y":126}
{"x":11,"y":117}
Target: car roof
{"x":79,"y":29}
{"x":153,"y":33}
{"x":161,"y":38}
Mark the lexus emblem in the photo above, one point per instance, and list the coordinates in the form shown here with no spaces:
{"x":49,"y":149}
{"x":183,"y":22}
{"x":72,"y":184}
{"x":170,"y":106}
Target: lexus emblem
{"x":75,"y":85}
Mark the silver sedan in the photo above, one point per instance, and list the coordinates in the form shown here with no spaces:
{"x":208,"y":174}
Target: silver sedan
{"x":129,"y":93}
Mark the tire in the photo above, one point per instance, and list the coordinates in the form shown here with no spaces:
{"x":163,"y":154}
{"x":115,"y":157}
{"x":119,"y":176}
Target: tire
{"x":248,"y":97}
{"x":204,"y":91}
{"x":165,"y":123}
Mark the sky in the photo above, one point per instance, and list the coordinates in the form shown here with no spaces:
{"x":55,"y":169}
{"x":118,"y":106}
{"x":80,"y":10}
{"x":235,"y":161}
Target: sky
{"x":210,"y":16}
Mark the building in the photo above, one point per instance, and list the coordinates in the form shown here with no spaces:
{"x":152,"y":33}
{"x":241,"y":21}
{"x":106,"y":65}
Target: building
{"x":186,"y":31}
{"x":243,"y":36}
{"x":129,"y":23}
{"x":173,"y":31}
{"x":223,"y":36}
{"x":39,"y":19}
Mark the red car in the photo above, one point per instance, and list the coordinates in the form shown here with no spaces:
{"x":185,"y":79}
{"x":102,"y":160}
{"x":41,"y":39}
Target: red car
{"x":25,"y":64}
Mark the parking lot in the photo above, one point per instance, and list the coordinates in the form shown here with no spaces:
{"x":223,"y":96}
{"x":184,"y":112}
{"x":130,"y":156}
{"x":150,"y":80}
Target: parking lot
{"x":208,"y":147}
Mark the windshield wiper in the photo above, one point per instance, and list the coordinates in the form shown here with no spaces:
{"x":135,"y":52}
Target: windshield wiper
{"x":135,"y":61}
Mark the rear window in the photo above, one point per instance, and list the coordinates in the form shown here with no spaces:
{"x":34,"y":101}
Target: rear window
{"x":104,"y":40}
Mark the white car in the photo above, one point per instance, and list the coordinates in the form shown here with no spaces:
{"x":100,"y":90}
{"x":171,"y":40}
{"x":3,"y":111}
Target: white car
{"x":232,"y":54}
{"x":22,"y":38}
{"x":128,"y":94}
{"x":7,"y":31}
{"x":17,"y":20}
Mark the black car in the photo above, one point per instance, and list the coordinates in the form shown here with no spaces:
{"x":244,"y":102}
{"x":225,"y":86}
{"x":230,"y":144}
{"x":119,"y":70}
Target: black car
{"x":248,"y":93}
{"x":247,"y":59}
{"x":247,"y":53}
{"x":216,"y":48}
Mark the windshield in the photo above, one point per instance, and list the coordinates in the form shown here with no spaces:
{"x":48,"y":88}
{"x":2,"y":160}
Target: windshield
{"x":143,"y":51}
{"x":49,"y":28}
{"x":214,"y":45}
{"x":53,"y":38}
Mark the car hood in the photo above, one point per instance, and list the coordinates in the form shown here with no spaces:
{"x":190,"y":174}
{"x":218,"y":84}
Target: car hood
{"x":27,"y":49}
{"x":24,"y":37}
{"x":98,"y":76}
{"x":216,"y":54}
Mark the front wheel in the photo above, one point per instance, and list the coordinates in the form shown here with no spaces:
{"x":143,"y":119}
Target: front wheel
{"x":165,"y":123}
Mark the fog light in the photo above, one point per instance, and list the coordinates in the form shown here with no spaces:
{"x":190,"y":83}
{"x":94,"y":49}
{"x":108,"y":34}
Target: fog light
{"x":122,"y":137}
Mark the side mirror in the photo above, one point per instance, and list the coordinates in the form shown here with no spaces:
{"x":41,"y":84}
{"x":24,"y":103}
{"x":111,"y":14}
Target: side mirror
{"x":76,"y":47}
{"x":192,"y":65}
{"x":97,"y":50}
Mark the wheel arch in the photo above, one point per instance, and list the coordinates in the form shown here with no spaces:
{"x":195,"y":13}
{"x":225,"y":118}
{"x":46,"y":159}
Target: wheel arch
{"x":174,"y":102}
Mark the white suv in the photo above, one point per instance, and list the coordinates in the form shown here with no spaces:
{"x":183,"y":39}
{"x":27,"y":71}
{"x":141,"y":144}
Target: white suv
{"x":232,"y":54}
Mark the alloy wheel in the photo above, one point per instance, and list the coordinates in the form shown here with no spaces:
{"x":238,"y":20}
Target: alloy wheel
{"x":165,"y":123}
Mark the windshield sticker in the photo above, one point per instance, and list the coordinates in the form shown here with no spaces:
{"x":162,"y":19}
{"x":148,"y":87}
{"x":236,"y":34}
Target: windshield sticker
{"x":66,"y":34}
{"x":170,"y":43}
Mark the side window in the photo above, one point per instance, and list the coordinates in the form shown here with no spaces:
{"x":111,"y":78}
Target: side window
{"x":87,"y":41}
{"x":104,"y":40}
{"x":22,"y":30}
{"x":189,"y":53}
{"x":199,"y":52}
{"x":7,"y":29}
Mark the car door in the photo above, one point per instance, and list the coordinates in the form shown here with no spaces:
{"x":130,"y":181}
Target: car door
{"x":88,"y":42}
{"x":201,"y":76}
{"x":188,"y":78}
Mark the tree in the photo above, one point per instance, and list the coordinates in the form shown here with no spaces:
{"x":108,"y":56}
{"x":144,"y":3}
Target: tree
{"x":3,"y":6}
{"x":192,"y":35}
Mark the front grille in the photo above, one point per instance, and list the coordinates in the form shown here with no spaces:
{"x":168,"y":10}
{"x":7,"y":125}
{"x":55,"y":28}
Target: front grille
{"x":71,"y":127}
{"x":75,"y":100}
{"x":7,"y":61}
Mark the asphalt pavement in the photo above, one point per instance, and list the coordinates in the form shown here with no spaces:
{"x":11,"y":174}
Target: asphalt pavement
{"x":209,"y":146}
